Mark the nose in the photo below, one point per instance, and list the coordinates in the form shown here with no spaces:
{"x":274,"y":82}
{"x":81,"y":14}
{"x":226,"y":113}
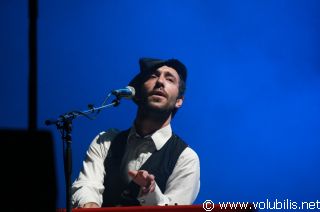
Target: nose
{"x":161,"y":80}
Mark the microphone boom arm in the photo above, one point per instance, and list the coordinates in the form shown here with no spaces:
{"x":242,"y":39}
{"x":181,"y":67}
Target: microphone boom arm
{"x":74,"y":114}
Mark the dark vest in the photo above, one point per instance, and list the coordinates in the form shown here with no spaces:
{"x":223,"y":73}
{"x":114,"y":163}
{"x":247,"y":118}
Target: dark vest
{"x":161,"y":164}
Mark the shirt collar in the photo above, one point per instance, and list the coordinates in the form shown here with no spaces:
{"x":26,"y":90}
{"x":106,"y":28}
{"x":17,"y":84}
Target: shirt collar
{"x":159,"y":137}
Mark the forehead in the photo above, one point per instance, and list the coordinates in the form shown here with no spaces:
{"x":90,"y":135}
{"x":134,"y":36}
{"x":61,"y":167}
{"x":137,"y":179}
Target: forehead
{"x":168,"y":70}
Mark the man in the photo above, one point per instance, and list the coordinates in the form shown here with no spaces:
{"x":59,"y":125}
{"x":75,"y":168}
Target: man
{"x":147,"y":164}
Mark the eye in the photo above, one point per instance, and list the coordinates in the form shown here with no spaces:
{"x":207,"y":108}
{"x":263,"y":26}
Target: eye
{"x":170,"y":79}
{"x":153,"y":76}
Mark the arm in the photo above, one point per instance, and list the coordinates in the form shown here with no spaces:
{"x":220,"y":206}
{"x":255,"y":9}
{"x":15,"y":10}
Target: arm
{"x":88,"y":188}
{"x":182,"y":186}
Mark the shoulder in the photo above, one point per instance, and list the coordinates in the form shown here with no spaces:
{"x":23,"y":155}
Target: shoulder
{"x":188,"y":161}
{"x":106,"y":136}
{"x":101,"y":143}
{"x":189,"y":154}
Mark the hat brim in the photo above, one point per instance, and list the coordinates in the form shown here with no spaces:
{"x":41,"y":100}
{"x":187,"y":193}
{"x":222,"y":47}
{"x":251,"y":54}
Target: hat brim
{"x":148,"y":65}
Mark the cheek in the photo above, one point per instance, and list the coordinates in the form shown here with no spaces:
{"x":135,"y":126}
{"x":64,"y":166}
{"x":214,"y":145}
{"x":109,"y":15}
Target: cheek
{"x":174,"y":90}
{"x":148,"y":85}
{"x":145,"y":89}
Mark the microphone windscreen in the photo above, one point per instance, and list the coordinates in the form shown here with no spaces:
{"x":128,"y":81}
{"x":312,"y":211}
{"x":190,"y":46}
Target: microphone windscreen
{"x":133,"y":91}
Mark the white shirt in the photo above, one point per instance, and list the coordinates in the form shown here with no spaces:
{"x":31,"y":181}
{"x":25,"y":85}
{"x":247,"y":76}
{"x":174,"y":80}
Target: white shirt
{"x":182,"y":186}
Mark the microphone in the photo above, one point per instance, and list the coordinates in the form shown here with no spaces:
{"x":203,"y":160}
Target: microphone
{"x":127,"y":92}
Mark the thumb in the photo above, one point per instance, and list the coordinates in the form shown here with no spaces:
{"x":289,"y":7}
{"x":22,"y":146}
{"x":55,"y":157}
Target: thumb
{"x":132,"y":173}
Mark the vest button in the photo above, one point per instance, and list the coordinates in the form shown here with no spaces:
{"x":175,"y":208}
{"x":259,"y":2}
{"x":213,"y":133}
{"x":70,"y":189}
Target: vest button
{"x":126,"y":192}
{"x":142,"y":201}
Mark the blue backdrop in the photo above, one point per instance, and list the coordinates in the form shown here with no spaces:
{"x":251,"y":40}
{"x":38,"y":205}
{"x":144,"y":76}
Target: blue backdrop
{"x":252,"y":106}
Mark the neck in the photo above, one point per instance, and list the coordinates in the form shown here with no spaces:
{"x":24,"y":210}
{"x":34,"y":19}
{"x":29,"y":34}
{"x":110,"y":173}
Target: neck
{"x":147,"y":122}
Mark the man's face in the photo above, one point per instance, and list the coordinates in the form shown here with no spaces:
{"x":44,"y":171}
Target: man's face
{"x":161,"y":89}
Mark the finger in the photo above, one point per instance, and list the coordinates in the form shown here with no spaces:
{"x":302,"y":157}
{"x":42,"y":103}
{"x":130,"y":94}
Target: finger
{"x":152,"y":184}
{"x":151,"y":177}
{"x":139,"y":177}
{"x":152,"y":187}
{"x":149,"y":180}
{"x":144,"y":174}
{"x":132,"y":173}
{"x":142,"y":178}
{"x":145,"y":190}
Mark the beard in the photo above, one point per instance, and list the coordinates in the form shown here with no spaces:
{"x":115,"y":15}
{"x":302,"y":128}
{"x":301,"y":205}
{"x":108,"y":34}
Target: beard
{"x":159,"y":106}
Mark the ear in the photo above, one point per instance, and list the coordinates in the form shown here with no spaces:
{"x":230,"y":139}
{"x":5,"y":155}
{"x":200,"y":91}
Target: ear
{"x":179,"y":102}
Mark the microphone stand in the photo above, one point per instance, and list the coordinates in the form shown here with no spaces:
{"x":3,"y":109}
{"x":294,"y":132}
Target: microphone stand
{"x":64,"y":125}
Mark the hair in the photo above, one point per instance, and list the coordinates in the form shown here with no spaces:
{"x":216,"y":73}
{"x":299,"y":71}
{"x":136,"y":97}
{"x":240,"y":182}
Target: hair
{"x":182,"y":90}
{"x":182,"y":87}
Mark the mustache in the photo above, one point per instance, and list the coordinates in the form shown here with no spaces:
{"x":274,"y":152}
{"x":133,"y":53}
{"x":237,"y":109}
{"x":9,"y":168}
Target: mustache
{"x":158,"y":92}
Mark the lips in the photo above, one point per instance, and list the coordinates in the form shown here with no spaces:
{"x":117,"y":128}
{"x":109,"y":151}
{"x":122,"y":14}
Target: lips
{"x":158,"y":93}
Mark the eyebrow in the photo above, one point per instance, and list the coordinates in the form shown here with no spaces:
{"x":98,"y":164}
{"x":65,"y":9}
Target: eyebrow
{"x":166,"y":73}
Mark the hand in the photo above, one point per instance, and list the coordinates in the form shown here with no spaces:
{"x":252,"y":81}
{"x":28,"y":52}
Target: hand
{"x":144,"y":180}
{"x":91,"y":205}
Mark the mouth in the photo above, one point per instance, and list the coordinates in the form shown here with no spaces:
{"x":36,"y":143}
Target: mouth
{"x":158,"y":93}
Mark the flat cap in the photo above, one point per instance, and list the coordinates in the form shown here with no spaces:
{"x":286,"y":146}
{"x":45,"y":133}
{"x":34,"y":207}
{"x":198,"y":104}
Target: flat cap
{"x":147,"y":65}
